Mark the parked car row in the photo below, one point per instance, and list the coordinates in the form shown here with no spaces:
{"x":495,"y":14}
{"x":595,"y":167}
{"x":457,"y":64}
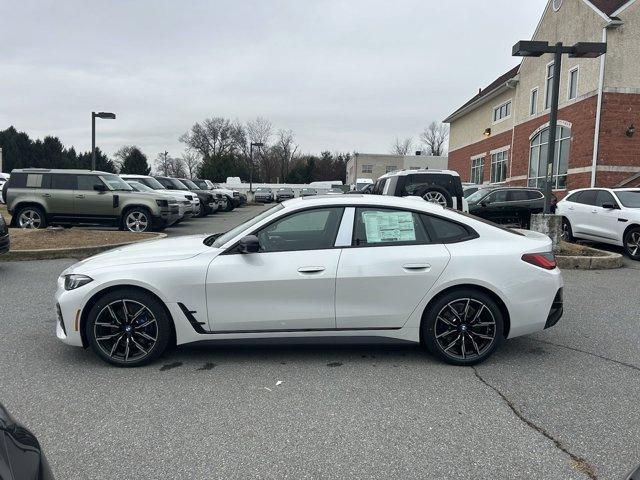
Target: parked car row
{"x":38,"y":197}
{"x":268,"y":195}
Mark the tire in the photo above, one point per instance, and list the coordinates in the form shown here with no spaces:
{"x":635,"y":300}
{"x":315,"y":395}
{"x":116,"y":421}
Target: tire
{"x":439,"y":195}
{"x":139,"y":340}
{"x":137,"y":220}
{"x":31,"y":217}
{"x":567,"y":232}
{"x":632,"y":243}
{"x":230,"y":205}
{"x":471,"y":339}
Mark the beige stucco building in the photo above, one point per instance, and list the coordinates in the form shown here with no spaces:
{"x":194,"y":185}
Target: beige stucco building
{"x":498,"y":136}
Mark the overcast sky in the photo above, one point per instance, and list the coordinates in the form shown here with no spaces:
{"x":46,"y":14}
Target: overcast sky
{"x":343,"y":75}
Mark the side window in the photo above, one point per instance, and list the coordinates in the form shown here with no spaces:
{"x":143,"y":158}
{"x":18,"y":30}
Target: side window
{"x":499,"y":196}
{"x":588,"y":197}
{"x":603,"y":197}
{"x":446,"y":231}
{"x":307,"y":230}
{"x":34,"y":180}
{"x":63,"y":182}
{"x":518,"y":196}
{"x":380,"y":227}
{"x":379,"y":188}
{"x":534,"y":195}
{"x":86,"y":182}
{"x":574,"y":197}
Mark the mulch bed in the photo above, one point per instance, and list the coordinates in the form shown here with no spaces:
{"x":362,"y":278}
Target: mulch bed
{"x":70,"y":238}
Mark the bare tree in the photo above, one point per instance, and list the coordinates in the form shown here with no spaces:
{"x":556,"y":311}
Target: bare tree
{"x":122,"y":154}
{"x":259,"y":131}
{"x":170,"y":167}
{"x":215,"y":137}
{"x":285,"y":150}
{"x":192,"y":162}
{"x":402,"y":147}
{"x":434,"y":138}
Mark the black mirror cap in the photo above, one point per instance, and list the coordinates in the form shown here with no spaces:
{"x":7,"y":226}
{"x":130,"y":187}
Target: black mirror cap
{"x":609,"y":206}
{"x":249,"y":244}
{"x":100,"y":188}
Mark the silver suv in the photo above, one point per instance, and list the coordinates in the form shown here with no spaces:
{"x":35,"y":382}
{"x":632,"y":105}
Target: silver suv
{"x":39,"y":197}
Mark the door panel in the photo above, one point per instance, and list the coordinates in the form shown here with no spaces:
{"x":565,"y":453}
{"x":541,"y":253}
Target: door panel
{"x":90,"y":202}
{"x":379,"y":287}
{"x":272,"y":291}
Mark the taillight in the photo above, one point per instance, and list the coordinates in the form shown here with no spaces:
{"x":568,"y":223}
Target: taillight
{"x":542,"y":260}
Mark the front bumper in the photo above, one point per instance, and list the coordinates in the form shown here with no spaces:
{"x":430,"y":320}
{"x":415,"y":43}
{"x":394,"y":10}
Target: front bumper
{"x":5,"y":243}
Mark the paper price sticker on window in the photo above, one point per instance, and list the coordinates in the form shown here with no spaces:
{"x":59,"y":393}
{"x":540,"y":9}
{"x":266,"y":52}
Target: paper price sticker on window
{"x":382,"y":227}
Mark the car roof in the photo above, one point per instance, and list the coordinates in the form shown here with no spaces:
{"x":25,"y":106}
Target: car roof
{"x":71,"y":171}
{"x":399,"y":173}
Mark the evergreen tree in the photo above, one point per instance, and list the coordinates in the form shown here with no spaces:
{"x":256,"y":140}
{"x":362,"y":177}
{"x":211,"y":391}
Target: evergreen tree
{"x":134,"y":162}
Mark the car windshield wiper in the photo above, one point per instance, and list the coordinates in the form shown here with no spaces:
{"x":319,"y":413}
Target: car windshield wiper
{"x":212,"y":238}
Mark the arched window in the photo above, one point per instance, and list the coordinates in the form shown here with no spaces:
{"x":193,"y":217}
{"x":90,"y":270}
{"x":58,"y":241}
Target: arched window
{"x":538,"y":158}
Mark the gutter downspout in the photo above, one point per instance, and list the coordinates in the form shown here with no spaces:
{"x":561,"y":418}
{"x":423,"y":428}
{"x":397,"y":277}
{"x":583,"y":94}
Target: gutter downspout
{"x":596,"y":137}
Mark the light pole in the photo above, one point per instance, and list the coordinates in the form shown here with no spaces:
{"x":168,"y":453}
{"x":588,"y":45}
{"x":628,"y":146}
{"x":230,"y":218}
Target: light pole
{"x":253,"y":144}
{"x":537,"y":49}
{"x":95,"y":115}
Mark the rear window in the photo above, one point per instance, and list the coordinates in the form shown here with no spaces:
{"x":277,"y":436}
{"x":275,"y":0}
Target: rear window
{"x":446,"y":231}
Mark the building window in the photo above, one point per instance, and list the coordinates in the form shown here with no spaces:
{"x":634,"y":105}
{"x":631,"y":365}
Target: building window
{"x":573,"y":83}
{"x":533,"y":103}
{"x":367,"y":168}
{"x":477,"y":170}
{"x":391,"y":168}
{"x":538,"y":158}
{"x":549,"y":86}
{"x":499,"y":166}
{"x":502,"y":111}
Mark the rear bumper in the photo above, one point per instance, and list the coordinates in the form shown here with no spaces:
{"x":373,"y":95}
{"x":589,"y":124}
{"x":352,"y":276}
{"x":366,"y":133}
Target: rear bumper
{"x":556,"y":311}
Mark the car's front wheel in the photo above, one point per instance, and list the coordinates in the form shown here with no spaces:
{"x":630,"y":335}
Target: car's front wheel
{"x":137,"y":220}
{"x":230,"y":205}
{"x":31,"y":217}
{"x":632,"y":243}
{"x":128,"y":328}
{"x":463,"y":327}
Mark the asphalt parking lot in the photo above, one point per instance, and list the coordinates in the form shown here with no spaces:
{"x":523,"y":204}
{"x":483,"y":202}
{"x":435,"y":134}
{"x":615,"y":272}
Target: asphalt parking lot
{"x":561,"y":404}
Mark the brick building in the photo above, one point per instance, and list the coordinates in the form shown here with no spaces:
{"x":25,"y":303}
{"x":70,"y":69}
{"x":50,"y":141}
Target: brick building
{"x":501,"y":134}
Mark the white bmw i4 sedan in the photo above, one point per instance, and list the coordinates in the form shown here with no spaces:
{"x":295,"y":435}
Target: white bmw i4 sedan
{"x":354,"y":265}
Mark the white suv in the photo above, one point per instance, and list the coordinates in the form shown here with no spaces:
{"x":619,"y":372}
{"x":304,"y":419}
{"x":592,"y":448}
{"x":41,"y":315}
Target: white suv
{"x":438,"y":186}
{"x":603,"y":215}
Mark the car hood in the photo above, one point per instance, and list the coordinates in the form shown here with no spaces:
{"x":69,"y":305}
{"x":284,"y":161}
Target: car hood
{"x":223,"y":191}
{"x":167,"y":249}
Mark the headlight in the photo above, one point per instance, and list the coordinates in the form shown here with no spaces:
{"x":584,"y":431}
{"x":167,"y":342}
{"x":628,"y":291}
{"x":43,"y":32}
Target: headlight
{"x":73,"y":281}
{"x":162,"y":203}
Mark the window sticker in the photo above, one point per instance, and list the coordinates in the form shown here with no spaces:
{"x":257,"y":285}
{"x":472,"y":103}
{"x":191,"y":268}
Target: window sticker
{"x":389,"y":226}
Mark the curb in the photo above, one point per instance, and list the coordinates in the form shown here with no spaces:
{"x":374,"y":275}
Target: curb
{"x":78,"y":252}
{"x":603,"y":261}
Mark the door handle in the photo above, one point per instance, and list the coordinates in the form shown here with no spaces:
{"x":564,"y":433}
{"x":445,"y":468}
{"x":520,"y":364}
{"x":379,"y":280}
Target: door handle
{"x":79,"y":196}
{"x":571,"y":208}
{"x":47,"y":195}
{"x":415,"y":267}
{"x":594,"y":211}
{"x":311,"y":269}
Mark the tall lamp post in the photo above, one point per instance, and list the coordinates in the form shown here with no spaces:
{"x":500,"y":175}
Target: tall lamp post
{"x":537,"y":49}
{"x":95,"y":115}
{"x":253,"y":144}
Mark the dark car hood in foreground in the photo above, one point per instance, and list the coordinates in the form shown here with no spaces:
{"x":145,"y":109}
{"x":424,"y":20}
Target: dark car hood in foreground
{"x":21,"y":457}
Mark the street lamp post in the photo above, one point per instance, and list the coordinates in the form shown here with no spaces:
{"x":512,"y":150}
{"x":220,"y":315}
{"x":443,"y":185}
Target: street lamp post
{"x":537,"y":49}
{"x":253,"y":144}
{"x":95,"y":115}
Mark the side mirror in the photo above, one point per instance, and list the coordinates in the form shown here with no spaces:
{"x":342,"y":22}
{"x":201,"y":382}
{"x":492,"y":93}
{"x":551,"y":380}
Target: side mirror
{"x":249,"y":244}
{"x":609,"y":206}
{"x":99,"y":187}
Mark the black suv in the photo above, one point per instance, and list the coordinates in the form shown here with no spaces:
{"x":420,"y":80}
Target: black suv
{"x":438,"y":186}
{"x":507,"y":205}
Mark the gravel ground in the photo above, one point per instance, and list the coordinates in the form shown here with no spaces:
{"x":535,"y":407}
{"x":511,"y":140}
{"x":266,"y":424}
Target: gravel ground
{"x":560,"y":404}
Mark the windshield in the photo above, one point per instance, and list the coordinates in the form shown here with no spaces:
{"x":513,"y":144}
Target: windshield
{"x":222,"y":239}
{"x":477,"y":196}
{"x":288,"y":190}
{"x":201,"y":184}
{"x":190,"y":184}
{"x":360,"y":186}
{"x":629,"y":198}
{"x":116,"y":183}
{"x":150,"y":182}
{"x":268,"y":190}
{"x":139,"y":187}
{"x":178,"y":185}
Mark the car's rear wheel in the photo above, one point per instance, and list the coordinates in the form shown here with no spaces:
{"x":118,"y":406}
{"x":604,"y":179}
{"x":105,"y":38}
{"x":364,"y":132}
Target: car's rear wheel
{"x":137,"y":220}
{"x":31,"y":217}
{"x":439,"y":195}
{"x":567,"y":233}
{"x":632,"y":243}
{"x":463,"y":327}
{"x":128,"y":328}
